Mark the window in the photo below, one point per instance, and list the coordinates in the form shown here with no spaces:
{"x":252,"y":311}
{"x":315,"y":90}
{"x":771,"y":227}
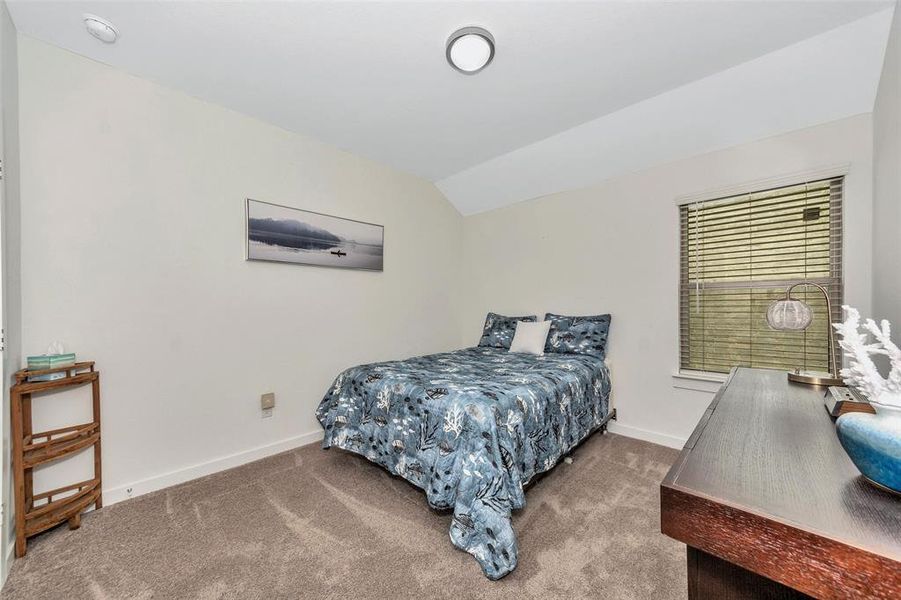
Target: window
{"x":740,"y":253}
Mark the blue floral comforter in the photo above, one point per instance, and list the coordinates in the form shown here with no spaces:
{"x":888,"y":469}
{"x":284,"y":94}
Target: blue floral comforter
{"x":470,"y":428}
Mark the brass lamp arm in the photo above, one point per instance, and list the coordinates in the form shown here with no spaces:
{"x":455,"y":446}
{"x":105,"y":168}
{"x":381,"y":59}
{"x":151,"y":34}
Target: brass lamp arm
{"x":833,"y":368}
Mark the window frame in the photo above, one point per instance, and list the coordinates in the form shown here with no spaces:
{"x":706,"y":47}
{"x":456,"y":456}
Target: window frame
{"x":701,"y":380}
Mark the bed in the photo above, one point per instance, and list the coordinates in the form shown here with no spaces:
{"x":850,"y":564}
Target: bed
{"x":471,"y":428}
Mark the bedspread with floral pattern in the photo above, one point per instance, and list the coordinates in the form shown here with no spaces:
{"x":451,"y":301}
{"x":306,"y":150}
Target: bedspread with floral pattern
{"x":470,"y":428}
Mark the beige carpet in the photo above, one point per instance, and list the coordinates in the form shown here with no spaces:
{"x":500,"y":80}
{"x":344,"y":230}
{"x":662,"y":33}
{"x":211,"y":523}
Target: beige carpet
{"x":327,"y":524}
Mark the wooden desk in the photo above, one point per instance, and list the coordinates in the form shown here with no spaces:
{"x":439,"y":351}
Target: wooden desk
{"x":769,"y":504}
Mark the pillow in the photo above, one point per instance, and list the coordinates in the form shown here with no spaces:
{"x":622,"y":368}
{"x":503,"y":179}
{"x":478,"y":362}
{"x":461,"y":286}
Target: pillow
{"x":530,"y":337}
{"x":578,"y":335}
{"x":498,"y":330}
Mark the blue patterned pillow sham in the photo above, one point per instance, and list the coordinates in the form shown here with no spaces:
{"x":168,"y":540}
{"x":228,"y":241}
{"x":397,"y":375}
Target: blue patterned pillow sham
{"x":578,"y":335}
{"x":498,"y":330}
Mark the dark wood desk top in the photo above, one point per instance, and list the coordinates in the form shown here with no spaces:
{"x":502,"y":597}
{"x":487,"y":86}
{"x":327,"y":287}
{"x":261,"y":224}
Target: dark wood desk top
{"x":764,"y":483}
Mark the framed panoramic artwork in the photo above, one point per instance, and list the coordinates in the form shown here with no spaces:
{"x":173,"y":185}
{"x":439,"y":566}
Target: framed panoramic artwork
{"x":283,"y":234}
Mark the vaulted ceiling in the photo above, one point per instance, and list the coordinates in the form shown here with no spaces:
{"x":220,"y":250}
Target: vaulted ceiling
{"x":578,"y":91}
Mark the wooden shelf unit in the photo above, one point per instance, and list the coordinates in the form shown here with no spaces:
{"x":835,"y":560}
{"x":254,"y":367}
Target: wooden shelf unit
{"x":38,"y":512}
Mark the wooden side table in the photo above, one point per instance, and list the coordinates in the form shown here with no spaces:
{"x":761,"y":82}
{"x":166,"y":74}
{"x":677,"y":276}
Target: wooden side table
{"x":38,"y":512}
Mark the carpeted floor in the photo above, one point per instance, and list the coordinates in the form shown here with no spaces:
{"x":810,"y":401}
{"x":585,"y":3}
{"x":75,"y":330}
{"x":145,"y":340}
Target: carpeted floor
{"x":327,"y":524}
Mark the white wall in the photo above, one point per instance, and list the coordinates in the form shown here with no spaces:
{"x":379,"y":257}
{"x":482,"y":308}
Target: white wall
{"x":887,"y":186}
{"x":132,"y":255}
{"x":614,"y":248}
{"x":9,"y":219}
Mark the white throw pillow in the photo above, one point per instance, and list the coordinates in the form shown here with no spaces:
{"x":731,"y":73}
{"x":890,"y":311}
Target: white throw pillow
{"x":530,"y":337}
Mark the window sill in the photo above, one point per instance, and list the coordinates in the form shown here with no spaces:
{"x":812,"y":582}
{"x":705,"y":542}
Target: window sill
{"x":698,"y":381}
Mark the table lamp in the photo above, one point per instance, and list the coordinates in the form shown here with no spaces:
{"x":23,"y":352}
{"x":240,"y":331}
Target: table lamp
{"x":789,"y":314}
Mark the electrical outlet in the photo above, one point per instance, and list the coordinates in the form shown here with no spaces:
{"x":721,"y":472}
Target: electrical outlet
{"x":267,"y":412}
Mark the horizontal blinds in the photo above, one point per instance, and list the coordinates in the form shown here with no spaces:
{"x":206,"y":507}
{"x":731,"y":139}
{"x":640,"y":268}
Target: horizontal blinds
{"x":739,"y":254}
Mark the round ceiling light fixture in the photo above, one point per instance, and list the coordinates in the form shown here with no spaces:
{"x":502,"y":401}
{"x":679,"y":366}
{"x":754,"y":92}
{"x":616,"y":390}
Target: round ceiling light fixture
{"x":470,"y":49}
{"x":101,"y":29}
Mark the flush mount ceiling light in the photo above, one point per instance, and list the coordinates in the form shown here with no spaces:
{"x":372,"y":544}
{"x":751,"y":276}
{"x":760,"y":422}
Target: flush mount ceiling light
{"x":101,"y":29}
{"x":469,"y":50}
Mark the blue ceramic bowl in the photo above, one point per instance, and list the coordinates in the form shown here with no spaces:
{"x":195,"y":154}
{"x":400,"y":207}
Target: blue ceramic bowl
{"x":873,"y":442}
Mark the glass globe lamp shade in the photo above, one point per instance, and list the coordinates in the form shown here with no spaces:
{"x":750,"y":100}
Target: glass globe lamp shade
{"x":789,"y":315}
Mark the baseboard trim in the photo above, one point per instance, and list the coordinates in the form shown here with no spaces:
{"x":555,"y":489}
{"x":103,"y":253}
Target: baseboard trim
{"x":663,"y":439}
{"x":10,"y":557}
{"x":162,"y":481}
{"x":158,"y":482}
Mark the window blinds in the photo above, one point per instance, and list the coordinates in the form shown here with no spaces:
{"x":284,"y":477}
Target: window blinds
{"x":740,"y":253}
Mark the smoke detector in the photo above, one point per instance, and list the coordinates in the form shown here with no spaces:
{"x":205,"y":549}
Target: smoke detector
{"x":101,"y":29}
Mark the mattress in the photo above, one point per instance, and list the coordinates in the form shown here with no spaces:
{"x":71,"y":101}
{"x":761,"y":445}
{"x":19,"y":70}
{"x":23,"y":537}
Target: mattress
{"x":470,"y":428}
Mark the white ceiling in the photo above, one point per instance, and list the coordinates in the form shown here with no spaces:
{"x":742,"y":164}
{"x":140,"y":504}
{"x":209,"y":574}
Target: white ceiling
{"x":371,"y":77}
{"x":824,"y":78}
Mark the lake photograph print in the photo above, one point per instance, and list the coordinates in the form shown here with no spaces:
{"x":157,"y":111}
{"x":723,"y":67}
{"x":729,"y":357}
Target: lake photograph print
{"x":283,"y":234}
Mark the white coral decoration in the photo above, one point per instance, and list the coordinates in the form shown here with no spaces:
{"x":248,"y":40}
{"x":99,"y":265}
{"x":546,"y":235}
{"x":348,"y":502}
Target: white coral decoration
{"x":861,"y":372}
